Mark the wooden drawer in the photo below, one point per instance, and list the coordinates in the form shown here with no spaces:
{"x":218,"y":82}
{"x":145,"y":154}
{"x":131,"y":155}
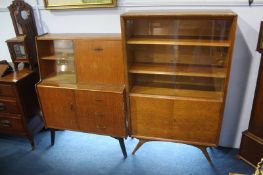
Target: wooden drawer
{"x":9,"y":106}
{"x":11,"y":124}
{"x":101,"y":112}
{"x":7,"y":90}
{"x":178,"y":119}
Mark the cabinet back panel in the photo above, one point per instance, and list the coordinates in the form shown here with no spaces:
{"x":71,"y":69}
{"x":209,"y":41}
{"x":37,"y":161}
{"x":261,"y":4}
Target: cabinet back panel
{"x":99,"y":61}
{"x":188,"y":120}
{"x":58,"y":106}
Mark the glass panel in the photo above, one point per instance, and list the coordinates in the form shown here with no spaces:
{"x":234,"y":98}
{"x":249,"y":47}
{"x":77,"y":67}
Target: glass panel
{"x":63,"y":59}
{"x":178,"y":57}
{"x":19,"y":51}
{"x":65,"y":56}
{"x":180,"y":28}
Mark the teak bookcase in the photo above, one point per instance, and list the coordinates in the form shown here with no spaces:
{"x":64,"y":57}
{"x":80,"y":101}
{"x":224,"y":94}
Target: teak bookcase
{"x":178,"y":66}
{"x":82,"y":85}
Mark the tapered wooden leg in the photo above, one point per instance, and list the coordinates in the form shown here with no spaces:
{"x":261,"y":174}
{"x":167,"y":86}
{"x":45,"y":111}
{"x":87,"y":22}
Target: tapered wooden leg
{"x":32,"y":142}
{"x":52,"y":134}
{"x":123,"y":148}
{"x":204,"y":151}
{"x":141,"y":142}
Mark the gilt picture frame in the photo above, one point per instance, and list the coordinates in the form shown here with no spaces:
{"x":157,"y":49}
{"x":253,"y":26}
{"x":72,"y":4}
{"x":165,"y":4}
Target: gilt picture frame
{"x":260,"y":39}
{"x":75,"y":4}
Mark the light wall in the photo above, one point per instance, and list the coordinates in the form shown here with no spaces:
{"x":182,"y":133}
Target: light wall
{"x":245,"y":61}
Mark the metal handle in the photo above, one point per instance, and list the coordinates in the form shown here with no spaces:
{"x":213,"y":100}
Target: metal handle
{"x":5,"y":123}
{"x":100,"y":127}
{"x":98,"y":49}
{"x":71,"y":107}
{"x":98,"y":100}
{"x":2,"y":106}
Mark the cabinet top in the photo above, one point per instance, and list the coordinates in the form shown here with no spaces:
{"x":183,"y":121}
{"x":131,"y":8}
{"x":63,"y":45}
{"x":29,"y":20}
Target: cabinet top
{"x":16,"y":76}
{"x":181,"y":13}
{"x":72,"y":36}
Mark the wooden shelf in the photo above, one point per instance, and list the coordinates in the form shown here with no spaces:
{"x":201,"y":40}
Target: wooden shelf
{"x":57,"y":57}
{"x":58,"y":79}
{"x":179,"y":70}
{"x":176,"y":92}
{"x":179,"y":42}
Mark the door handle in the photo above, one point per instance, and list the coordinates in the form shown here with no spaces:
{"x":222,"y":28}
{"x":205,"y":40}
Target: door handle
{"x":98,"y":49}
{"x":2,"y":107}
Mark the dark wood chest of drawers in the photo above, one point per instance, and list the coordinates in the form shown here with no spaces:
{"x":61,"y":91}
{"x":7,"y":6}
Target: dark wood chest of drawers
{"x":19,"y":108}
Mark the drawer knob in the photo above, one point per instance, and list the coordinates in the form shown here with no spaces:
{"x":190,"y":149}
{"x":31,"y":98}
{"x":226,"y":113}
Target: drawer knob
{"x":2,"y":107}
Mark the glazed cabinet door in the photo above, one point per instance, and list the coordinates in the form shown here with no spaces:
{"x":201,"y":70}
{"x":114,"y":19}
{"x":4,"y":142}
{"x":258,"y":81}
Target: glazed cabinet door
{"x":101,"y":112}
{"x":58,"y":106}
{"x":99,"y":61}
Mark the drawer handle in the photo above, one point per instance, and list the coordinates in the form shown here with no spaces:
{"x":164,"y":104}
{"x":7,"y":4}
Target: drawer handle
{"x":2,"y":107}
{"x":71,"y":106}
{"x":99,"y":114}
{"x":5,"y":123}
{"x":98,"y":49}
{"x":98,"y":100}
{"x":100,"y":127}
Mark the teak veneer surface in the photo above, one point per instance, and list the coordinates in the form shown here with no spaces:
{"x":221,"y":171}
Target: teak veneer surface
{"x":180,"y":13}
{"x":80,"y":36}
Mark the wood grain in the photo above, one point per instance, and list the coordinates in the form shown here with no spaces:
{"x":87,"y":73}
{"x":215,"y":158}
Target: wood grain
{"x":99,"y":61}
{"x":172,"y":119}
{"x":59,"y":108}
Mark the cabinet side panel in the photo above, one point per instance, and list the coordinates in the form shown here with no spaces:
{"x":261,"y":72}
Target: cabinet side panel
{"x":58,"y":106}
{"x":99,"y":61}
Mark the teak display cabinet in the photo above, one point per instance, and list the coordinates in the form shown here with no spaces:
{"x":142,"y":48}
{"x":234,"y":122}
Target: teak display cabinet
{"x":82,"y":84}
{"x":178,"y":66}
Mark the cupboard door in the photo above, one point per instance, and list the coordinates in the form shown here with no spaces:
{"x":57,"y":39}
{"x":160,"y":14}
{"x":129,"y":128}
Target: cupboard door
{"x":99,"y":61}
{"x":189,"y":120}
{"x":196,"y":120}
{"x":101,"y":112}
{"x":151,"y":117}
{"x":58,"y":106}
